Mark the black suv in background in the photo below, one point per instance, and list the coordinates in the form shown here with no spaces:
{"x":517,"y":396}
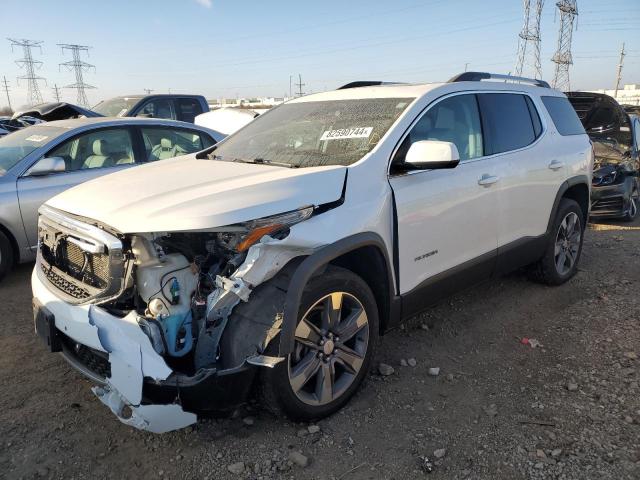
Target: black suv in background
{"x":616,"y":139}
{"x":171,"y":106}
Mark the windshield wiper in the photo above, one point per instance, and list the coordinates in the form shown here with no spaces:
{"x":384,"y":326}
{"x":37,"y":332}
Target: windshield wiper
{"x":264,"y":161}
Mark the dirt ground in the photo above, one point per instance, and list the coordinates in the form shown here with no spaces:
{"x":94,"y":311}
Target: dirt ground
{"x":568,"y":409}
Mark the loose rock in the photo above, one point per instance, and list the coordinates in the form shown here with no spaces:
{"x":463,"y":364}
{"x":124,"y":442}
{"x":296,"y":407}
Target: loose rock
{"x":236,"y":468}
{"x":412,"y":362}
{"x":385,"y":370}
{"x":299,"y":459}
{"x":439,"y":453}
{"x":434,"y":371}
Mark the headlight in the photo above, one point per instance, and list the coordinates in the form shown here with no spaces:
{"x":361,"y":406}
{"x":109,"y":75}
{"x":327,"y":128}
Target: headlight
{"x":609,"y":178}
{"x":241,"y":236}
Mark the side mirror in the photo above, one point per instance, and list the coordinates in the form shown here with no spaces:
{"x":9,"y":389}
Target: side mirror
{"x":47,"y":165}
{"x":431,"y":154}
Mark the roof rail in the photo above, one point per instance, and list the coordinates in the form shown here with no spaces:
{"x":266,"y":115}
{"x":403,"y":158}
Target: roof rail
{"x":478,"y":76}
{"x":366,"y":83}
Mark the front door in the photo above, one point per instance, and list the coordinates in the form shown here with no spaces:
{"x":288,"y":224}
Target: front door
{"x":447,"y":218}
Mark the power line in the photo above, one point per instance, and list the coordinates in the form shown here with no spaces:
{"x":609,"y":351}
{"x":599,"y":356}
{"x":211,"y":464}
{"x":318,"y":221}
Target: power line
{"x":530,"y":34}
{"x":619,"y":74}
{"x":29,"y":65}
{"x":562,"y":58}
{"x":78,"y":66}
{"x":5,"y":87}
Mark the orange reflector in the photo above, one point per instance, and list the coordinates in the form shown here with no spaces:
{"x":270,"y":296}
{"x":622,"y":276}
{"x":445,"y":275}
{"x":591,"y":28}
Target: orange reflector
{"x":254,"y":235}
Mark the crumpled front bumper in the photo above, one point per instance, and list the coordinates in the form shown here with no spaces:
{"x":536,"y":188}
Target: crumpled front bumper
{"x":141,"y":389}
{"x":609,"y":200}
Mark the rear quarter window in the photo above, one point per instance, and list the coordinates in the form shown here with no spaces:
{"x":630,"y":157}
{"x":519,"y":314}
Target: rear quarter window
{"x":563,"y":115}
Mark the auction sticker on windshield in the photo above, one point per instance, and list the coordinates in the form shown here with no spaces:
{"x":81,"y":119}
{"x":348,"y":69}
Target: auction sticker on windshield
{"x":342,"y":133}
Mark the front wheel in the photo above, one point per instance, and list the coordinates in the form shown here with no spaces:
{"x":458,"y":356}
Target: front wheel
{"x":560,"y":260}
{"x":6,"y":255}
{"x":335,"y":341}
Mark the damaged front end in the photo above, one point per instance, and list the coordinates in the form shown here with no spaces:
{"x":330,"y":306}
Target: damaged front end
{"x":181,"y":320}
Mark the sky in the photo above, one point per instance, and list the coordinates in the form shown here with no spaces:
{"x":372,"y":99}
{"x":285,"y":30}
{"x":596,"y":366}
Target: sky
{"x":240,"y":48}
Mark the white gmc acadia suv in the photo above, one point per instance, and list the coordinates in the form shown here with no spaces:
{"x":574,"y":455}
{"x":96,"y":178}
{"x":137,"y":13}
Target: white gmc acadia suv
{"x":275,"y":259}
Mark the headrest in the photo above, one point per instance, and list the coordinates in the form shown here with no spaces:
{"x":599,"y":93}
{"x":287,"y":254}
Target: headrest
{"x":446,"y":118}
{"x":101,"y":148}
{"x":166,"y":144}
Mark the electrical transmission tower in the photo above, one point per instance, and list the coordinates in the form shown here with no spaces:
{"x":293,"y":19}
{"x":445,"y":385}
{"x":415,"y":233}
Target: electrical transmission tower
{"x":529,"y":42}
{"x":78,"y":66}
{"x":29,"y":65}
{"x":619,"y":74}
{"x":5,"y":87}
{"x":56,"y":92}
{"x":300,"y":93}
{"x":562,"y":58}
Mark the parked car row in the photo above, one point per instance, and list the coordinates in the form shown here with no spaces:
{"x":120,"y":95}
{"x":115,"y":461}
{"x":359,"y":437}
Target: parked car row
{"x":182,"y":107}
{"x":278,"y":256}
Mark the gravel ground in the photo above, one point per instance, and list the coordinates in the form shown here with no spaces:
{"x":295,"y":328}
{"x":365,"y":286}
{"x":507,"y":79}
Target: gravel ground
{"x":496,"y":409}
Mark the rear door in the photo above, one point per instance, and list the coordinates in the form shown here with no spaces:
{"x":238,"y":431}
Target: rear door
{"x":446,"y":219}
{"x":531,"y":173}
{"x":87,"y":156}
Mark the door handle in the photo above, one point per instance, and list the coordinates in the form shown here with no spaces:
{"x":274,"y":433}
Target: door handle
{"x":487,"y":180}
{"x":556,"y":165}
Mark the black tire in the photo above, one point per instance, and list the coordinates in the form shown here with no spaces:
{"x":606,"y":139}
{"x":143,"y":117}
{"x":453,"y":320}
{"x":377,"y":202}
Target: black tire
{"x":546,"y":270}
{"x":632,"y":212}
{"x":6,"y":255}
{"x":278,"y":395}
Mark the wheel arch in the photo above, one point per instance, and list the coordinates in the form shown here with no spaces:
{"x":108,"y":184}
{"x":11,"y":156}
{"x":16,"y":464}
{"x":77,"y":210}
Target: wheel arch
{"x":366,"y":255}
{"x":577,"y":189}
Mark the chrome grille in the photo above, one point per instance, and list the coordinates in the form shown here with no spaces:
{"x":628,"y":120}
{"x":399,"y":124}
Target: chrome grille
{"x":78,"y":261}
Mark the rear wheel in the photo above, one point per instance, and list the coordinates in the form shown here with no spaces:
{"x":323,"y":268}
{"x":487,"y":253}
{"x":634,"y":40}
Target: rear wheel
{"x":631,"y":214}
{"x":6,"y":255}
{"x":562,"y":254}
{"x":335,"y":340}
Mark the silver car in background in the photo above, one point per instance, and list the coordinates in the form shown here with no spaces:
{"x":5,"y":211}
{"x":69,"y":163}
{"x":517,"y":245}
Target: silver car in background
{"x":38,"y":162}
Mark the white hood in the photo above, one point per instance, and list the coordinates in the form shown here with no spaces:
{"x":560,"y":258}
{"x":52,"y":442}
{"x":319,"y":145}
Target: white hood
{"x":186,"y":193}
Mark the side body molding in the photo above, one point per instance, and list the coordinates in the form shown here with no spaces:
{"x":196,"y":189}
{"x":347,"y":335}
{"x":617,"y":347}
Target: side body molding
{"x":311,"y":264}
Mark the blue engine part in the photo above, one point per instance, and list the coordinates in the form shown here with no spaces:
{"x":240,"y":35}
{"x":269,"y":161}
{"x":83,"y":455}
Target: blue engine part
{"x":178,"y":334}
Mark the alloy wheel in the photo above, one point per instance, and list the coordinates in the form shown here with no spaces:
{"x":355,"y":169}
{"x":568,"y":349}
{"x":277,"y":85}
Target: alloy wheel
{"x":330,"y":346}
{"x":567,"y":243}
{"x":633,"y":205}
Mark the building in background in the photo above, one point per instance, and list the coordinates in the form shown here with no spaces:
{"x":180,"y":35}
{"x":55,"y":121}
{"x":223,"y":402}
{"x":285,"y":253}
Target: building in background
{"x":629,"y":95}
{"x":256,"y":102}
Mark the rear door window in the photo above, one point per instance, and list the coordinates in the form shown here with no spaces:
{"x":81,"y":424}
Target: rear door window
{"x":161,"y":143}
{"x":188,"y":109}
{"x":157,"y":108}
{"x":507,"y":122}
{"x":563,"y":115}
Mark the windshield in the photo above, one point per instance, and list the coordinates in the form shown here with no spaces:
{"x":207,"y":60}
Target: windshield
{"x":17,"y":145}
{"x":115,"y":107}
{"x":310,"y":134}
